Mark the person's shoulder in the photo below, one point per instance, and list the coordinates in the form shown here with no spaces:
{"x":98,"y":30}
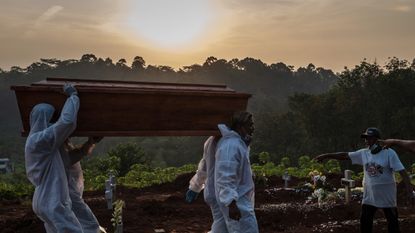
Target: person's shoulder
{"x":231,"y":142}
{"x":228,"y":138}
{"x":41,"y":139}
{"x":360,"y":151}
{"x":390,"y":152}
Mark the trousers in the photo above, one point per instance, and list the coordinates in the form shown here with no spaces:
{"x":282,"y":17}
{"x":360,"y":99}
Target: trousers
{"x":368,"y":212}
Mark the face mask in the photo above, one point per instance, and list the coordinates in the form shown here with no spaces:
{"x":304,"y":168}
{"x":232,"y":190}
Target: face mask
{"x":375,"y":148}
{"x":247,"y":139}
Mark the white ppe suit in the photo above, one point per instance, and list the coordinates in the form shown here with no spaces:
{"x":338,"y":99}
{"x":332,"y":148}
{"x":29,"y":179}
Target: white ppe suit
{"x":45,"y":168}
{"x":204,"y":179}
{"x":71,"y":156}
{"x":233,"y":181}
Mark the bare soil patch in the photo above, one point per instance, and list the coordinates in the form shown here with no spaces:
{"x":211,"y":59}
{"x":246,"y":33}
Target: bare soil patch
{"x":162,"y":207}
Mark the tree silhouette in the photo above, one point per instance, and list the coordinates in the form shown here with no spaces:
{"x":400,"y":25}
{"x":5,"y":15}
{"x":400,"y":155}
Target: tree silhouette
{"x":281,"y":68}
{"x":209,"y":61}
{"x":88,"y":58}
{"x":108,"y":62}
{"x":138,"y":64}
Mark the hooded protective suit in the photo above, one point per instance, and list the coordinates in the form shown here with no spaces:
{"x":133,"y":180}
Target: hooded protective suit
{"x":233,"y":181}
{"x":45,"y":168}
{"x":71,"y":156}
{"x":204,"y":179}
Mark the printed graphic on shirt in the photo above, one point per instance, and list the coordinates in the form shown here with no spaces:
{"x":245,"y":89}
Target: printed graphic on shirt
{"x":373,"y":169}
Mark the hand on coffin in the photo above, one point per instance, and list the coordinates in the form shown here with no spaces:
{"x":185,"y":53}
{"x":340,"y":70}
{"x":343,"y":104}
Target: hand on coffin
{"x":69,"y":89}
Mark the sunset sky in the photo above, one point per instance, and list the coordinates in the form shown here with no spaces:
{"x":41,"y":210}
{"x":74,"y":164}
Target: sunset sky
{"x":328,"y":33}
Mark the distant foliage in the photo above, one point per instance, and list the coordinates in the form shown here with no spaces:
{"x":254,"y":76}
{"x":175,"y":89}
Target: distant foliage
{"x":117,"y":162}
{"x":303,"y":170}
{"x":128,"y":154}
{"x":264,"y":157}
{"x":15,"y":186}
{"x":141,"y":176}
{"x":131,"y":166}
{"x":13,"y":191}
{"x":367,"y":95}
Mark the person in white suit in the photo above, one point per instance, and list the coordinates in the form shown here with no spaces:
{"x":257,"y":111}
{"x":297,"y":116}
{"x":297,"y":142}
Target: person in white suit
{"x":44,"y":165}
{"x":234,"y":185}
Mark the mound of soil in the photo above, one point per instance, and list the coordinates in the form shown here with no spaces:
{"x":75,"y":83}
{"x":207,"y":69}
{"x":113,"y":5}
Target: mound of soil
{"x":162,"y":208}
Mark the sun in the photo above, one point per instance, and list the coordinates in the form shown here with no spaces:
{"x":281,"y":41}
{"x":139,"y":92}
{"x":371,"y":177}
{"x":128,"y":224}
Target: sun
{"x":168,"y":23}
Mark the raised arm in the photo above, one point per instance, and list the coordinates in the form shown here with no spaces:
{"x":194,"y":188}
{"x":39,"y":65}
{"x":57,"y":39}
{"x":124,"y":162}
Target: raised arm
{"x":66,"y":123}
{"x":336,"y":155}
{"x":408,"y":145}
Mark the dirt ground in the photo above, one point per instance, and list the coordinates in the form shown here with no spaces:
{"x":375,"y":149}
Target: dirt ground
{"x":162,"y":208}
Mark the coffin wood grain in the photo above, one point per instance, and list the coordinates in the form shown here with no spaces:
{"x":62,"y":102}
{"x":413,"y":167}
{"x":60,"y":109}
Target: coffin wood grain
{"x":117,"y":108}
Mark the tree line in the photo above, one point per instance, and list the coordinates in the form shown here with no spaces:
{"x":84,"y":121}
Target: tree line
{"x":367,"y":95}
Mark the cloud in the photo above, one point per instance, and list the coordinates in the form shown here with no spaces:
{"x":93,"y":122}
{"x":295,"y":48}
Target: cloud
{"x":42,"y":19}
{"x":402,"y":8}
{"x":47,"y":15}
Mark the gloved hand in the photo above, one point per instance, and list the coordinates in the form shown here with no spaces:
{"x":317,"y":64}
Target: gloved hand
{"x":191,"y":196}
{"x":69,"y":89}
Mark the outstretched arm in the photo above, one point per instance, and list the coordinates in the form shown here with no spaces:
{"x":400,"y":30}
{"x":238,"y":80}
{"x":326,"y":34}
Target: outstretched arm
{"x":336,"y":155}
{"x":408,"y":145}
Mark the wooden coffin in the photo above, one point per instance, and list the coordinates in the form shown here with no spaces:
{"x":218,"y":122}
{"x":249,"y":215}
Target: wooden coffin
{"x":119,"y":108}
